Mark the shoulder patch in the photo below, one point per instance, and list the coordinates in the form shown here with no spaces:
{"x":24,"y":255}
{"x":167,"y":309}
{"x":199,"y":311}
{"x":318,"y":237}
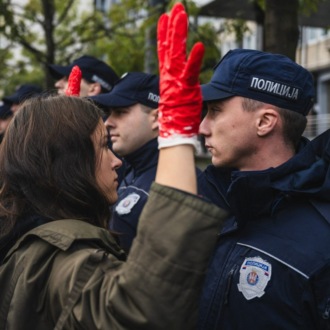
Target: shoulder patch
{"x":255,"y":274}
{"x":125,"y":206}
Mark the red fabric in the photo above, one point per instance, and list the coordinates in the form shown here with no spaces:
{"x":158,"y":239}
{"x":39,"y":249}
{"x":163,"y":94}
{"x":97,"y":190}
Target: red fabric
{"x":180,"y":103}
{"x":74,"y":80}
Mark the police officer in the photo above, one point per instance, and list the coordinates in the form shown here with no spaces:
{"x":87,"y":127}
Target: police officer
{"x":22,"y":93}
{"x":271,"y":269}
{"x":132,"y":122}
{"x":97,"y":76}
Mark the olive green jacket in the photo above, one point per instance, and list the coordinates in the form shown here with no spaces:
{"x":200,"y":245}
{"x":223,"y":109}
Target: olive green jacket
{"x":67,"y":274}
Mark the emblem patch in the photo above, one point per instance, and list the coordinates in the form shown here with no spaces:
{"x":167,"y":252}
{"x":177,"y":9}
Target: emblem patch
{"x":254,"y":276}
{"x":125,"y":206}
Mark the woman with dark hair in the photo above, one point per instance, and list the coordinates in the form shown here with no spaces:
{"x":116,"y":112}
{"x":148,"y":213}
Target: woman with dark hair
{"x":60,"y":267}
{"x":51,"y":155}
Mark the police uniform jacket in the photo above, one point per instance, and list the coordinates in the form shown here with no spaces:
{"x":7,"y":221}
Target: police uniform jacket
{"x":68,"y":274}
{"x":271,"y":268}
{"x":133,"y":192}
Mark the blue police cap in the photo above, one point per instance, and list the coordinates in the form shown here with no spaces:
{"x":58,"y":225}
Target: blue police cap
{"x":5,"y":111}
{"x":130,"y":89}
{"x":270,"y":78}
{"x":23,"y":92}
{"x":92,"y":69}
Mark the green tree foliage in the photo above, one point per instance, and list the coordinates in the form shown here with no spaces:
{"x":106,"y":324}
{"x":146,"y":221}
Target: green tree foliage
{"x":134,"y":21}
{"x":42,"y":32}
{"x":207,"y":33}
{"x":124,"y":42}
{"x":47,"y":31}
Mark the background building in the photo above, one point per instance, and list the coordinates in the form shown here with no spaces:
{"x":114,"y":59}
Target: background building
{"x":313,"y":50}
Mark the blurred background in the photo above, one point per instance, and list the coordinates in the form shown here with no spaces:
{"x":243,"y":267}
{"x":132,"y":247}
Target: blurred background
{"x":36,"y":33}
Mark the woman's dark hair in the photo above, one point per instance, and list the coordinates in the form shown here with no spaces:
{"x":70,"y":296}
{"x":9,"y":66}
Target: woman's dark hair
{"x":48,"y":161}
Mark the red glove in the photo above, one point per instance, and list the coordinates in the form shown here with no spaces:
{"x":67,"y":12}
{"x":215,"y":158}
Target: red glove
{"x":180,"y":103}
{"x":74,"y":80}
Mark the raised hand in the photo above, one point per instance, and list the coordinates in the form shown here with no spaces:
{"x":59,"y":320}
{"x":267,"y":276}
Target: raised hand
{"x":180,"y":94}
{"x":74,"y":80}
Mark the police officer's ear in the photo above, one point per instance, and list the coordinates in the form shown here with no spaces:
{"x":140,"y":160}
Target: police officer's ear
{"x":154,"y":119}
{"x":267,"y":120}
{"x":94,"y":89}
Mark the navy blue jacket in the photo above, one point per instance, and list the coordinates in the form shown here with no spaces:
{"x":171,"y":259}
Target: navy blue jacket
{"x":133,"y":192}
{"x":271,"y":268}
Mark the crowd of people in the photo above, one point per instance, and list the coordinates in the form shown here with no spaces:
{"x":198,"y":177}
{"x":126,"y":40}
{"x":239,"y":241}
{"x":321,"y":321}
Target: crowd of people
{"x":106,"y":222}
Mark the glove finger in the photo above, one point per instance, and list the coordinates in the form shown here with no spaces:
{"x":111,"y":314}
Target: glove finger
{"x":161,"y":40}
{"x":177,"y":51}
{"x":194,"y":63}
{"x":173,"y":29}
{"x":74,"y":80}
{"x":176,"y":9}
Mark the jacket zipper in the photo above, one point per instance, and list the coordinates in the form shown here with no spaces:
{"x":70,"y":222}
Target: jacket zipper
{"x":229,"y":282}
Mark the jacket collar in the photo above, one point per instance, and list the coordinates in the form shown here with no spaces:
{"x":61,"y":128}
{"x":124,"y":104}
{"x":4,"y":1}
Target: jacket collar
{"x":252,"y":194}
{"x":306,"y":175}
{"x":144,"y":157}
{"x":63,"y":233}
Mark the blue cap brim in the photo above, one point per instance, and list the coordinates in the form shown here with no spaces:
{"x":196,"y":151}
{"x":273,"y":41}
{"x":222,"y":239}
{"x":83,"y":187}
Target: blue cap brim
{"x":210,"y":93}
{"x":59,"y":71}
{"x":113,"y":100}
{"x":5,"y":111}
{"x":11,"y":99}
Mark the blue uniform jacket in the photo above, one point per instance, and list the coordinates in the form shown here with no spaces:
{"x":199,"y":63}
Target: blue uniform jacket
{"x":271,"y":268}
{"x":133,"y":192}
